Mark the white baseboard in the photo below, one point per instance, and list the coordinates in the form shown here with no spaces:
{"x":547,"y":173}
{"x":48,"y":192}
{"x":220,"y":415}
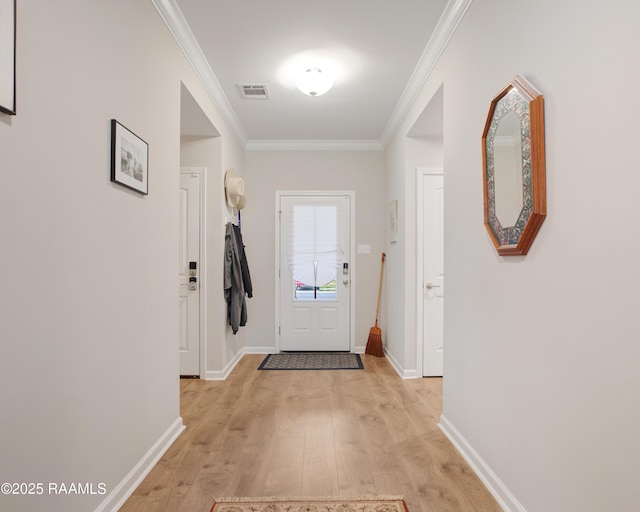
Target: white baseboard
{"x":260,"y":350}
{"x":405,"y":374}
{"x":411,"y":374}
{"x":492,"y":482}
{"x":224,"y":373}
{"x":121,"y":492}
{"x":394,"y":363}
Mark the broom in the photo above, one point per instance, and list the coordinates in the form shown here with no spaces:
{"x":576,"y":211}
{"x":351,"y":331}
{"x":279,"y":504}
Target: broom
{"x":374,"y":345}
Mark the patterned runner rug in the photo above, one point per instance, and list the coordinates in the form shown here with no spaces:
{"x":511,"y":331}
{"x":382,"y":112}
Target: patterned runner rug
{"x":333,"y":504}
{"x":312,"y":361}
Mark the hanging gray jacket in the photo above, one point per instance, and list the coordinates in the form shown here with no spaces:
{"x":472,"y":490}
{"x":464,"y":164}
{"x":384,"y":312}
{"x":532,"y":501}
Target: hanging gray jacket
{"x":244,"y":265}
{"x":234,"y":292}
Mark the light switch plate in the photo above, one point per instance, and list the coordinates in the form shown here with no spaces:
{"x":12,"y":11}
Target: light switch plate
{"x":364,"y":248}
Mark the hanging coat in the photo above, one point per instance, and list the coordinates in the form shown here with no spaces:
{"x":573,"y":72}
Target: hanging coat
{"x":244,"y":266}
{"x":234,"y":290}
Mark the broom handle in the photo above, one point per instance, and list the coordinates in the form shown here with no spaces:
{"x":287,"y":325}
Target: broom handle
{"x":379,"y":289}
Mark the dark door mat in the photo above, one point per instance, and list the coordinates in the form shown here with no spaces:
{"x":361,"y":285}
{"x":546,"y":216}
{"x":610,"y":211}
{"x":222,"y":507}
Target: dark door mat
{"x":312,"y":361}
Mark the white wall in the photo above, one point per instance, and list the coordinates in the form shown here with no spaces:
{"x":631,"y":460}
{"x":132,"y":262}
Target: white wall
{"x":403,"y":156}
{"x":395,"y":290}
{"x":542,"y":361}
{"x":268,"y":171}
{"x":88,"y":309}
{"x":222,"y":347}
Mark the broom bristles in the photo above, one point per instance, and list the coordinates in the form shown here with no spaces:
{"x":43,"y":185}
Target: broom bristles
{"x":374,"y":344}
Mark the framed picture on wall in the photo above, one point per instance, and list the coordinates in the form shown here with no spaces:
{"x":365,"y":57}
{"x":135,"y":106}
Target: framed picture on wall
{"x":129,"y":159}
{"x":393,"y":221}
{"x":8,"y":56}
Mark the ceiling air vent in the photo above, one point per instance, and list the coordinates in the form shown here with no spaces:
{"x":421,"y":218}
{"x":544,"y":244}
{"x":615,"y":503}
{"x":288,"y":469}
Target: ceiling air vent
{"x":254,"y":91}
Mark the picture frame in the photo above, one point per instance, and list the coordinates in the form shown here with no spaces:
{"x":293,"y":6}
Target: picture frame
{"x":393,"y":221}
{"x":8,"y":57}
{"x":129,"y":159}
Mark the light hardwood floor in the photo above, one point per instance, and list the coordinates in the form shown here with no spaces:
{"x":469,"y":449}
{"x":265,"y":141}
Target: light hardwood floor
{"x":311,"y":433}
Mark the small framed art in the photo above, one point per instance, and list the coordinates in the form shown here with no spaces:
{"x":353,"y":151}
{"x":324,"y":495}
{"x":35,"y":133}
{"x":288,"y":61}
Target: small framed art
{"x":129,"y":159}
{"x":8,"y":56}
{"x":393,"y":221}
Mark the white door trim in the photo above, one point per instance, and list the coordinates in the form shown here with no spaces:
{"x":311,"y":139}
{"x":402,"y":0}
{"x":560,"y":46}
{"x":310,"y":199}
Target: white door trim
{"x":202,"y":262}
{"x":352,"y":235}
{"x":421,"y":172}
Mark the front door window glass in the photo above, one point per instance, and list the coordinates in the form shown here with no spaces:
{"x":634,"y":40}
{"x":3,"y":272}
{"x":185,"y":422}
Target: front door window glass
{"x":313,"y":250}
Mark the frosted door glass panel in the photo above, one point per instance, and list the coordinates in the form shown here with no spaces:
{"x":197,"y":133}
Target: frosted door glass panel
{"x":313,"y":251}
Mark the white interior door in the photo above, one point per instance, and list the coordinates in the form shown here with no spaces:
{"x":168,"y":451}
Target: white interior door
{"x":189,"y":273}
{"x":433,"y":274}
{"x":315,"y":274}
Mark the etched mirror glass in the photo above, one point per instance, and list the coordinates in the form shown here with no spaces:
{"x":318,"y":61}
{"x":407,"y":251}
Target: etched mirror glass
{"x":507,"y":168}
{"x":514,"y":171}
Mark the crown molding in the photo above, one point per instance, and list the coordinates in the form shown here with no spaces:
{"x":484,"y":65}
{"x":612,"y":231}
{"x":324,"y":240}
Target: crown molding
{"x":314,"y":145}
{"x":446,"y":26}
{"x":179,"y":28}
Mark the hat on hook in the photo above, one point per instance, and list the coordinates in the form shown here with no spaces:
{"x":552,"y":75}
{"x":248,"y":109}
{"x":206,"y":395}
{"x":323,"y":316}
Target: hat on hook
{"x":234,"y":190}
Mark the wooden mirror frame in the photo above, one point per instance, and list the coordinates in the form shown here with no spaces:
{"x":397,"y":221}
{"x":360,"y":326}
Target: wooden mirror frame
{"x":516,"y":240}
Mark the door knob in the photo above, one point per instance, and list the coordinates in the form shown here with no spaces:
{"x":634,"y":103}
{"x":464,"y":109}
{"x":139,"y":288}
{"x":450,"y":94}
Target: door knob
{"x":429,"y":286}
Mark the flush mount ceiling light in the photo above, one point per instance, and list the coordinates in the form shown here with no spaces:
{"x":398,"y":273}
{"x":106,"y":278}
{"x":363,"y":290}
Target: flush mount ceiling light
{"x":313,"y":82}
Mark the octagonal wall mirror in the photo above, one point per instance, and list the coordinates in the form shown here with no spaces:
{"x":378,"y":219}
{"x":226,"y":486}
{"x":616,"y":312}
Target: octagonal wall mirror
{"x":513,"y":161}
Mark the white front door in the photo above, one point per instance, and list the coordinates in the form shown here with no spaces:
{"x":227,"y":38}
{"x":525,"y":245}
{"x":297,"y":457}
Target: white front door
{"x":315,"y":273}
{"x":189,"y":273}
{"x":433,"y":274}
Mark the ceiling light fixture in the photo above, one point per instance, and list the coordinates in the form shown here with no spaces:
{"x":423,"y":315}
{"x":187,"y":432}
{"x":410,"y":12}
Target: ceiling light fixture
{"x":313,"y":82}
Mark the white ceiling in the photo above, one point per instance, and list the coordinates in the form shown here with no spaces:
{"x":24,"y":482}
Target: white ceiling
{"x":378,"y":52}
